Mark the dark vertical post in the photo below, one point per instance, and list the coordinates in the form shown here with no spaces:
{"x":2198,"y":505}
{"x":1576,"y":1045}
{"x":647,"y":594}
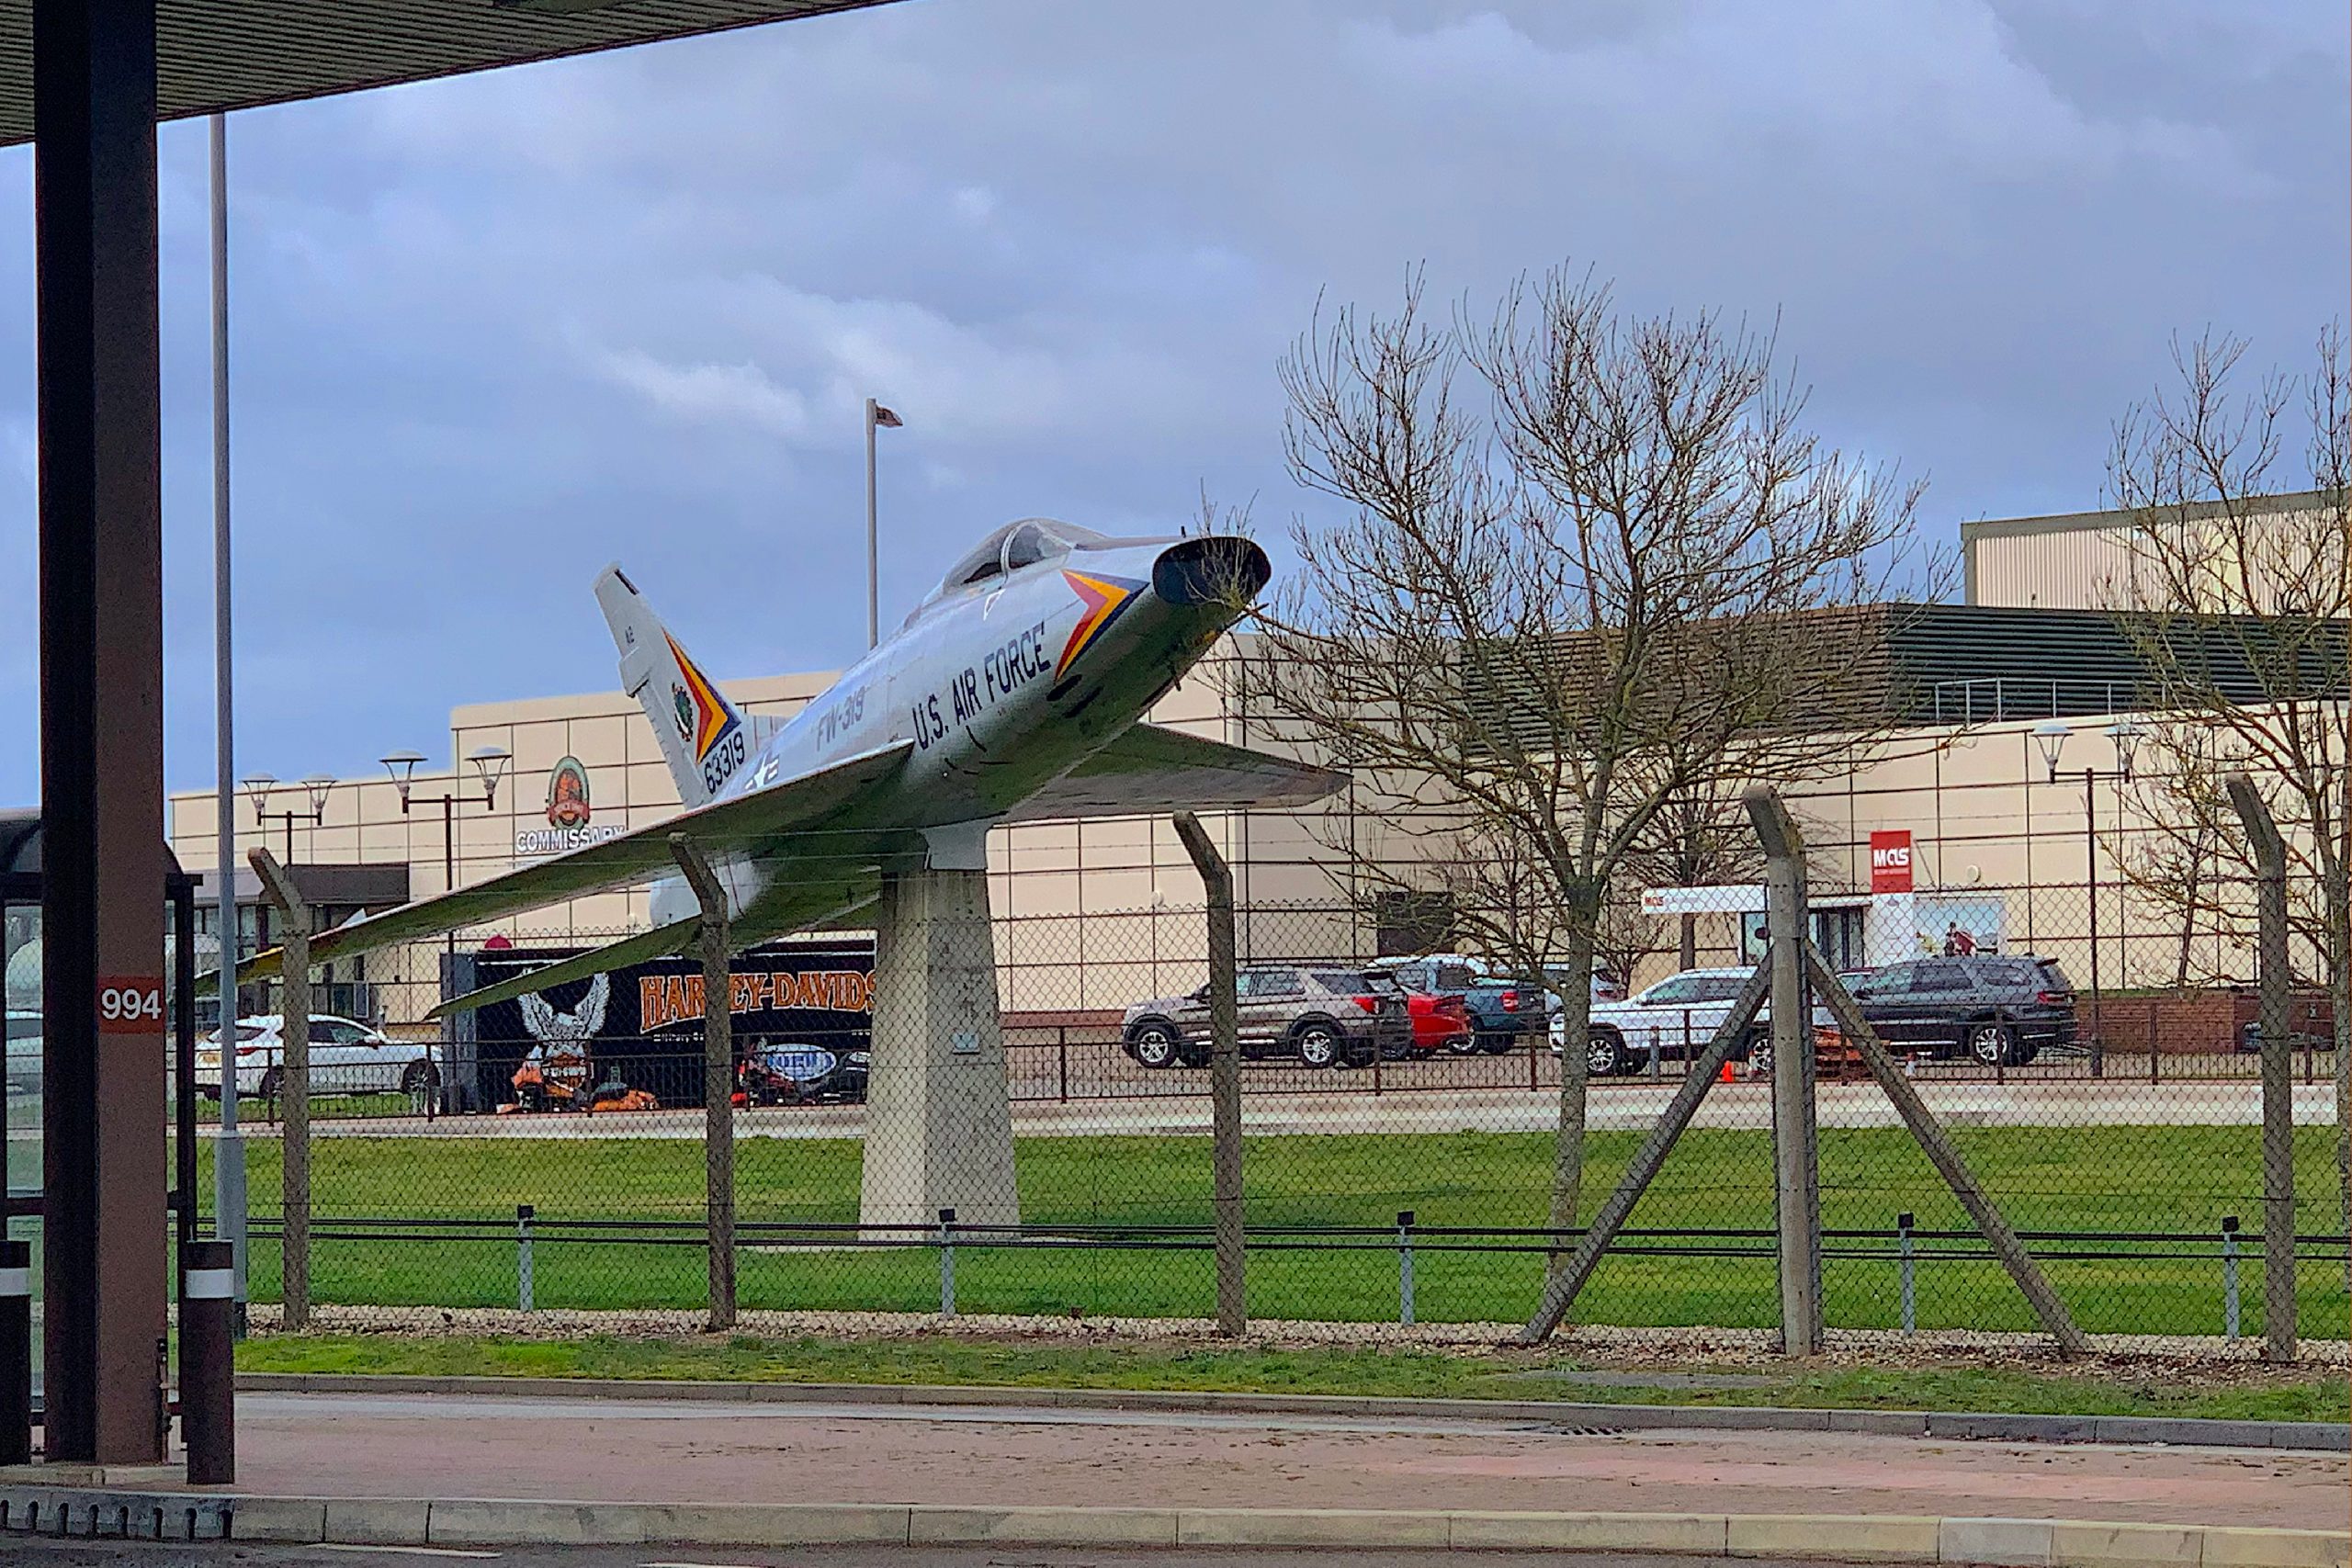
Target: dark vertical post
{"x":1224,"y":1078}
{"x":208,"y":1361}
{"x":101,"y":676}
{"x":293,"y":1088}
{"x":16,"y":1352}
{"x":1795,"y":1147}
{"x":718,"y":1077}
{"x":2273,"y":977}
{"x":184,"y":1055}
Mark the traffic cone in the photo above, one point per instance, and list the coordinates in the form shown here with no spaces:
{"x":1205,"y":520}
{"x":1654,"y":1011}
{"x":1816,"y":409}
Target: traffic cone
{"x":1728,"y":1076}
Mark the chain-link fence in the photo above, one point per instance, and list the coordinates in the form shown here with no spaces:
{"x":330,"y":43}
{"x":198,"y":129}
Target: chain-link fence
{"x":1011,"y":1117}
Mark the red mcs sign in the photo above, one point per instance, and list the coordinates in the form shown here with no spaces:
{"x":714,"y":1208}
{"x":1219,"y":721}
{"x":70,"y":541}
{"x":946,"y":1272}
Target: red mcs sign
{"x":1891,"y":861}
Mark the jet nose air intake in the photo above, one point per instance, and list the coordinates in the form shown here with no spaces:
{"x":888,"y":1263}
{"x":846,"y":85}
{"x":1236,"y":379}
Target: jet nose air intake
{"x":1215,"y":571}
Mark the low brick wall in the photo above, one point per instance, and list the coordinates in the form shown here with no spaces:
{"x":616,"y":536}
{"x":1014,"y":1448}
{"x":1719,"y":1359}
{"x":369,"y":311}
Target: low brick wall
{"x":2202,"y":1021}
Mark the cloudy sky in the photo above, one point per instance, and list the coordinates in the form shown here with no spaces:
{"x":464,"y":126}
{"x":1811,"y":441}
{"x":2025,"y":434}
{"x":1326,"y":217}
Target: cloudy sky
{"x":490,"y":333}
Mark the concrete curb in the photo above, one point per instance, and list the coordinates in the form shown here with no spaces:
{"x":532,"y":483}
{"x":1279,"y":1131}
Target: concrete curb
{"x":477,"y":1522}
{"x":1955,"y":1425}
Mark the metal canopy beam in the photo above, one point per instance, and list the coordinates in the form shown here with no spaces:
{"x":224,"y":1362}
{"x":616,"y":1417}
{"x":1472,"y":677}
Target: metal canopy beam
{"x":235,"y":54}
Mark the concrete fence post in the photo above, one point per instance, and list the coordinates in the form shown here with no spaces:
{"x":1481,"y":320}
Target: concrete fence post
{"x":1907,"y":1249}
{"x":2273,"y":978}
{"x":293,"y":1082}
{"x":717,"y":1076}
{"x":1405,"y":1267}
{"x":2231,"y":1317}
{"x":524,"y":1290}
{"x":947,"y":1263}
{"x":1225,"y":1078}
{"x":1795,"y":1143}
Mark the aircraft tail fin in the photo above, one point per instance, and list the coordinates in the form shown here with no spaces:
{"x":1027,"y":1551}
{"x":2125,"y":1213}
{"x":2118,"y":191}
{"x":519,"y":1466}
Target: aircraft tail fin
{"x":702,"y":738}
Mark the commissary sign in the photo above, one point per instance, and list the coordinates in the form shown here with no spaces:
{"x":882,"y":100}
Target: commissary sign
{"x":569,"y":810}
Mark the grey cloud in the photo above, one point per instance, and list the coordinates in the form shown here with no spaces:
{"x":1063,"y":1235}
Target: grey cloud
{"x":494,"y":331}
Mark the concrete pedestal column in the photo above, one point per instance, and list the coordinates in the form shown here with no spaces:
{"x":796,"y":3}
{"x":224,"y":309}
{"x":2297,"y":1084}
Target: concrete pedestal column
{"x":938,"y":1128}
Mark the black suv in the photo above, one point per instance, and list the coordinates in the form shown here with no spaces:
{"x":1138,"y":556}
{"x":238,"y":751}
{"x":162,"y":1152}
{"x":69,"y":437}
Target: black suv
{"x":2001,"y":1010}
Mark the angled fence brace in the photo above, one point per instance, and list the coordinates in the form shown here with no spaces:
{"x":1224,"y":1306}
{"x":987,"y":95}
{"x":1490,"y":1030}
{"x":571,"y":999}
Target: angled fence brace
{"x":293,"y":1082}
{"x":717,"y":1075}
{"x":1224,"y":1076}
{"x":2272,"y":980}
{"x":1945,"y":1155}
{"x":1561,"y":1293}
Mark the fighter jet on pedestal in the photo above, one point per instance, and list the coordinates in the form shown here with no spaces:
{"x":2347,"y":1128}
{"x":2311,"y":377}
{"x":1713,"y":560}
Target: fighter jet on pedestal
{"x":1012,"y":694}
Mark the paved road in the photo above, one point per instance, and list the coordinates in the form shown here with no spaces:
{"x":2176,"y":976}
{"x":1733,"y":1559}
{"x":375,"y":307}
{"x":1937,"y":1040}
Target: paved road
{"x":63,"y":1554}
{"x":629,"y":1450}
{"x":1348,"y":1105}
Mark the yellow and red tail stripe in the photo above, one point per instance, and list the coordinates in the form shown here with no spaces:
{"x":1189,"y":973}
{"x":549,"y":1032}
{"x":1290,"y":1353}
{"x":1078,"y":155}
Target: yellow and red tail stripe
{"x":1104,"y":597}
{"x":713,"y":717}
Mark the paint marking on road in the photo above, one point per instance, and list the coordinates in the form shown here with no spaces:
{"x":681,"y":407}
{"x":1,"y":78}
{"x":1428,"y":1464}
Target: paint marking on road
{"x":702,"y":1565}
{"x":400,"y":1550}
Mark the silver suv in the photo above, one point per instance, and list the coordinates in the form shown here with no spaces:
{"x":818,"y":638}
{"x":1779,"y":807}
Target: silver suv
{"x":1324,"y":1014}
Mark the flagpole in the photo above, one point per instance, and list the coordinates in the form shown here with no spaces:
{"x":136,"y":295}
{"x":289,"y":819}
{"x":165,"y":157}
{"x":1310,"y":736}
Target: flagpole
{"x":873,"y":549}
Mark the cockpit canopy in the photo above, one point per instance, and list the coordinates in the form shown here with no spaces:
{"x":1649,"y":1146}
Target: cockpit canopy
{"x":1016,"y":545}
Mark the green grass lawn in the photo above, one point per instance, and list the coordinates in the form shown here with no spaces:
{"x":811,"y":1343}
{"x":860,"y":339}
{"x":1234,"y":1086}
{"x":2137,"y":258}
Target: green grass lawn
{"x":2247,"y":1395}
{"x":2104,"y":1179}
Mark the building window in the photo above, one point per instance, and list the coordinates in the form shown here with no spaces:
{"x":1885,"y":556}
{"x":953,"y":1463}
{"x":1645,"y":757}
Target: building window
{"x":1407,"y":923}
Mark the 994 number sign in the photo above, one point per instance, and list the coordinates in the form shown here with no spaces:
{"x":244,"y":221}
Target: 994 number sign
{"x":132,"y":1006}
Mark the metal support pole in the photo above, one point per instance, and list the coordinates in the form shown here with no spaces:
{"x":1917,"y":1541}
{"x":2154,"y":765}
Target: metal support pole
{"x":106,"y":1253}
{"x":1560,"y":1291}
{"x":1405,"y":1266}
{"x":2230,"y":1316}
{"x":718,"y":1077}
{"x":947,"y":1263}
{"x":524,"y":1214}
{"x":2273,"y":978}
{"x":873,"y":541}
{"x":1224,"y":1078}
{"x":1929,"y":1134}
{"x":228,"y":1142}
{"x":1796,"y":1142}
{"x":207,"y":1362}
{"x":2090,"y":879}
{"x":1907,"y":1248}
{"x":293,"y":1085}
{"x":16,"y":1352}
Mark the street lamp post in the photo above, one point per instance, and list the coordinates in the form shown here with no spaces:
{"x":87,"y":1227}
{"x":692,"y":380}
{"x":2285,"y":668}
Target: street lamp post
{"x":2125,"y":736}
{"x":490,"y":762}
{"x":257,"y":789}
{"x":877,"y":418}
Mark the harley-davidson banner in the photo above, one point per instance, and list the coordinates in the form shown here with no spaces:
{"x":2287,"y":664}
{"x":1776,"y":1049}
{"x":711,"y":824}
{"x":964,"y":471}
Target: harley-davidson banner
{"x":793,"y":1002}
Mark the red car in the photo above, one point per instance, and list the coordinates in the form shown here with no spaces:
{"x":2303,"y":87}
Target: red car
{"x":1440,"y":1023}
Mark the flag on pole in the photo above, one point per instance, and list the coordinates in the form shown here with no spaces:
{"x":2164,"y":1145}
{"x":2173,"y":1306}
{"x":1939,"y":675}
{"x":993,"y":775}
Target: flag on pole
{"x":886,"y":418}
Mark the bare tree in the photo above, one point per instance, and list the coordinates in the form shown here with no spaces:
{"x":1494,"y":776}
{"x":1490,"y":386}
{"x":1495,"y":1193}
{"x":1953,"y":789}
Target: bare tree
{"x":2237,"y":597}
{"x":1587,"y":566}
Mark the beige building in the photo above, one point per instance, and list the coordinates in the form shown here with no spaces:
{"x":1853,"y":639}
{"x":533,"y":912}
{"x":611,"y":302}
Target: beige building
{"x":1092,"y":915}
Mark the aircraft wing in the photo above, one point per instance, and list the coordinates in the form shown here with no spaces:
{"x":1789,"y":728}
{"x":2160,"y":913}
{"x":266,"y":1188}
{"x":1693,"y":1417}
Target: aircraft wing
{"x":739,"y":823}
{"x":1151,"y":769}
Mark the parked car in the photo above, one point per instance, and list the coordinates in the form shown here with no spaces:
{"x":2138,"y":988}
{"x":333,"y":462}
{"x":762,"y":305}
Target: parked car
{"x":1325,"y":1015}
{"x":347,"y":1057}
{"x":1440,"y":1023}
{"x":1501,"y":1009}
{"x":1998,"y":1009}
{"x":24,"y":1062}
{"x":1672,"y":1020}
